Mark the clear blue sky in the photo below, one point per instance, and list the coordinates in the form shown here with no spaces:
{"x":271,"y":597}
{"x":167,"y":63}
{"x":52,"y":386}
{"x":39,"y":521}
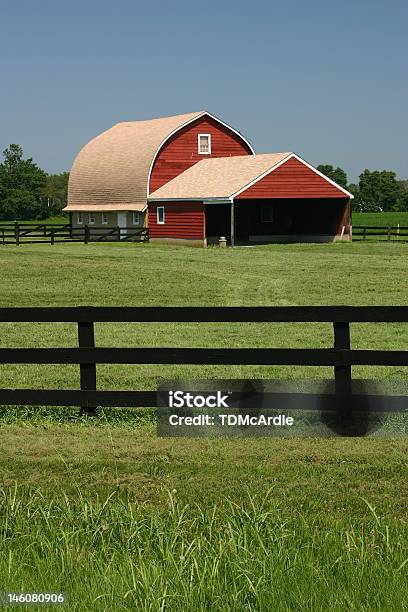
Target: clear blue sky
{"x":327,"y":80}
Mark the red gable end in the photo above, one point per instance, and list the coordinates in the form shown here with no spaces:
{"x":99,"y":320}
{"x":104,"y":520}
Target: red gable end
{"x":292,"y":179}
{"x":181,"y":150}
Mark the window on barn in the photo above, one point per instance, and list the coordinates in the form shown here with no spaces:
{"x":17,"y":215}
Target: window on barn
{"x":136,"y":218}
{"x":160,"y":215}
{"x":91,"y":218}
{"x":104,"y":218}
{"x":80,"y":218}
{"x":267,"y":213}
{"x":204,"y":144}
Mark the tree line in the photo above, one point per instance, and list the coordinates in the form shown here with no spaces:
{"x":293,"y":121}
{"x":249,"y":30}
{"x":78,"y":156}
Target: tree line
{"x":376,"y":191}
{"x":28,"y":192}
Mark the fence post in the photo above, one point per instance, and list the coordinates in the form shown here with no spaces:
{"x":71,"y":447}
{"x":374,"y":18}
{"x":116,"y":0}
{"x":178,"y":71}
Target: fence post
{"x":342,"y":373}
{"x":3,"y":239}
{"x":52,"y":236}
{"x":86,"y":339}
{"x":364,"y":233}
{"x":86,"y":234}
{"x":17,"y":233}
{"x":389,"y":233}
{"x":118,"y":232}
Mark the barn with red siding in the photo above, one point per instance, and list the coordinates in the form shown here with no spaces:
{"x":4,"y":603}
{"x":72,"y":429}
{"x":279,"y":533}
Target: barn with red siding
{"x":275,"y":197}
{"x":193,"y":179}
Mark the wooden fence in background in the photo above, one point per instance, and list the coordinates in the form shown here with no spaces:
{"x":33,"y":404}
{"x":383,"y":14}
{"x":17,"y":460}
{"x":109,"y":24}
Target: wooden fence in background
{"x":341,"y":357}
{"x":362,"y":232}
{"x":37,"y":233}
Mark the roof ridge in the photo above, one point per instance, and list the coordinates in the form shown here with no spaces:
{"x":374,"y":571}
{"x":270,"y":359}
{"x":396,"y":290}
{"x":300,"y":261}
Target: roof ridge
{"x":197,"y":113}
{"x":250,"y":157}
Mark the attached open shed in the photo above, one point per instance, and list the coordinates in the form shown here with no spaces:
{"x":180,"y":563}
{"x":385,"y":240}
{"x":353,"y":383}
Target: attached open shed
{"x":275,"y":197}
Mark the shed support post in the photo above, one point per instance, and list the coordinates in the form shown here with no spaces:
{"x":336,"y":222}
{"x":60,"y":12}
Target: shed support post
{"x":232,"y":224}
{"x":86,"y":339}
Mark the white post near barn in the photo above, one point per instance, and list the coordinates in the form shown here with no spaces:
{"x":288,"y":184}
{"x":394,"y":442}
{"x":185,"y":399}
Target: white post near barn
{"x":232,"y":224}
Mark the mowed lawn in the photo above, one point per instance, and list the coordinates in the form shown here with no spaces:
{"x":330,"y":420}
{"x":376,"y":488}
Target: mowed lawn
{"x":381,"y":218}
{"x":122,"y":520}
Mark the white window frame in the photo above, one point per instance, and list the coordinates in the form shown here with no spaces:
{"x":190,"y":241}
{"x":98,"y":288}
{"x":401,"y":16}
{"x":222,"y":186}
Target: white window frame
{"x":80,"y":218}
{"x":104,"y":216}
{"x":158,"y":216}
{"x":209,"y":144}
{"x":91,"y":218}
{"x":136,"y":215}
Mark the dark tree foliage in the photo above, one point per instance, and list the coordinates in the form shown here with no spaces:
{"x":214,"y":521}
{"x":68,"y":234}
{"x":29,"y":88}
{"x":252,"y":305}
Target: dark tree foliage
{"x":379,"y":190}
{"x":376,"y":190}
{"x":56,"y":192}
{"x":21,"y":185}
{"x":337,"y":175}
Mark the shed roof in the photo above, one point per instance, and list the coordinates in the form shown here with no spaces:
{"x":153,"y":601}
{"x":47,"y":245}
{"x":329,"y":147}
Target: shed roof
{"x":112,"y":170}
{"x":224,"y":178}
{"x":219,"y":177}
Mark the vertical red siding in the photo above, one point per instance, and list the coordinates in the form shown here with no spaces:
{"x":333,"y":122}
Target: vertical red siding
{"x":293,"y":179}
{"x":182,"y":220}
{"x":181,"y":151}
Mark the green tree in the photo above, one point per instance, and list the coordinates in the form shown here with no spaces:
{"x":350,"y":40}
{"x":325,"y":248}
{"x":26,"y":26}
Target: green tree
{"x":337,"y":175}
{"x":380,"y":190}
{"x":55,"y":192}
{"x":402,"y":202}
{"x":21,"y":186}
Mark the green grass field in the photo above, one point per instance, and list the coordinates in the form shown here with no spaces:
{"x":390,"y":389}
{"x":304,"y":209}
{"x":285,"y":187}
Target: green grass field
{"x":54,"y":219}
{"x":384,"y":218}
{"x":122,"y":520}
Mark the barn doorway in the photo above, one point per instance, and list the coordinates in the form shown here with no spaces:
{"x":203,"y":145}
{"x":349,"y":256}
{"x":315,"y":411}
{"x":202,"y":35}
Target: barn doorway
{"x":291,"y":219}
{"x":122,"y":223}
{"x":217,"y":222}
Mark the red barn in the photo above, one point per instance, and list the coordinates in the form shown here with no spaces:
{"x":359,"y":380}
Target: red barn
{"x":200,"y":180}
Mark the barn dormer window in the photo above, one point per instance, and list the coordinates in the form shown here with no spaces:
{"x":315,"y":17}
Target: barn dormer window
{"x":204,"y":144}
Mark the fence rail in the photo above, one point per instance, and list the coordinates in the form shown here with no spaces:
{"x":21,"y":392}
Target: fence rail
{"x":361,"y":232}
{"x":86,"y":355}
{"x":37,"y":233}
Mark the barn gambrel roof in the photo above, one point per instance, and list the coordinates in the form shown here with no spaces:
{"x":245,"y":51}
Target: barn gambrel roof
{"x":112,"y":171}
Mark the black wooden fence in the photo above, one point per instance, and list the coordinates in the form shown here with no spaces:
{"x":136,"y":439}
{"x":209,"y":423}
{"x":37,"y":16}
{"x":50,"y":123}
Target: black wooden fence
{"x":36,"y":233}
{"x":362,"y":232}
{"x":341,"y":356}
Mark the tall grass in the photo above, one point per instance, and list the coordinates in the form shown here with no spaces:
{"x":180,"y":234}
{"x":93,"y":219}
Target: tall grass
{"x":111,"y":554}
{"x":98,"y":523}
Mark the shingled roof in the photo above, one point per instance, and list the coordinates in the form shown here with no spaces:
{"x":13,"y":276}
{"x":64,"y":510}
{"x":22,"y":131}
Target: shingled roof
{"x":218,"y":177}
{"x":111,"y":172}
